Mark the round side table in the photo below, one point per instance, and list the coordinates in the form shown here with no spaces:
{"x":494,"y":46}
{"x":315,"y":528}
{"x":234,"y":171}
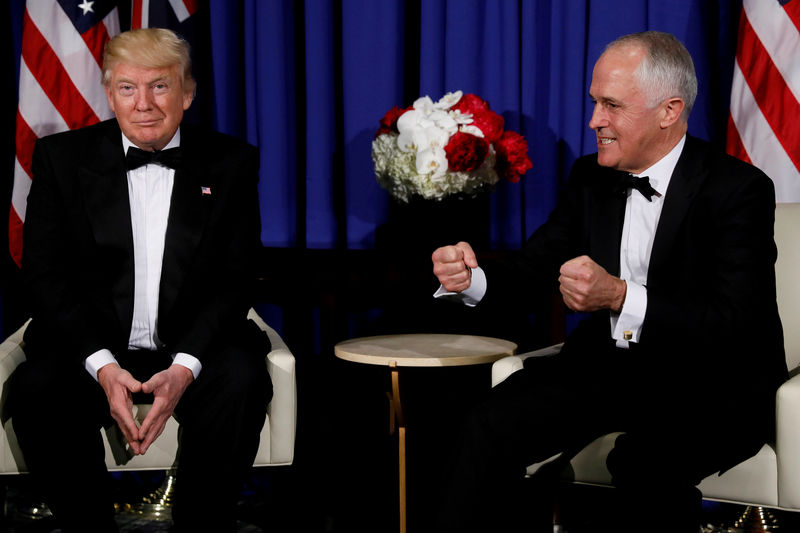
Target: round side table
{"x":418,"y":350}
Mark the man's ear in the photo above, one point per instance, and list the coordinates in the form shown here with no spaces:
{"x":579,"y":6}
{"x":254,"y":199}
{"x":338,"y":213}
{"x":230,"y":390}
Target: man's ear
{"x":188,"y":98}
{"x":673,"y":107}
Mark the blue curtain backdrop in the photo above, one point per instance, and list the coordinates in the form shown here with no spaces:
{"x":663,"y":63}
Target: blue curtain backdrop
{"x":307,"y":81}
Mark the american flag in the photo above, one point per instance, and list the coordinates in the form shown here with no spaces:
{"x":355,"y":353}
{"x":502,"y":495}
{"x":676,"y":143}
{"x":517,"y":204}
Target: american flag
{"x":59,"y":83}
{"x":60,"y":75}
{"x":764,"y":123}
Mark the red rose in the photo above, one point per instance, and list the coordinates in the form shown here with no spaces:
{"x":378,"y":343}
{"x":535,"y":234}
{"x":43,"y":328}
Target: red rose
{"x":469,"y":103}
{"x":490,"y":123}
{"x":389,"y":121}
{"x":465,"y":152}
{"x":512,"y":156}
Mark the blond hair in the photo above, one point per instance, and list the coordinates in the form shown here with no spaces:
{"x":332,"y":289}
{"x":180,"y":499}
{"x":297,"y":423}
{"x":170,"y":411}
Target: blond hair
{"x":149,"y":48}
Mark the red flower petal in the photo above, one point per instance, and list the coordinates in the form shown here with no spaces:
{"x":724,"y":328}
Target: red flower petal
{"x":465,"y":152}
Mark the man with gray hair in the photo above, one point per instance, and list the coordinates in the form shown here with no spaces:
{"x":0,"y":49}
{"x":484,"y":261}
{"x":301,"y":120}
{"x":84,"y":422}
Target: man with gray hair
{"x":139,"y":260}
{"x":667,"y":245}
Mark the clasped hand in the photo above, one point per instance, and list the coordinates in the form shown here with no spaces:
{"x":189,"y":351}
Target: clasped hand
{"x":166,"y":386}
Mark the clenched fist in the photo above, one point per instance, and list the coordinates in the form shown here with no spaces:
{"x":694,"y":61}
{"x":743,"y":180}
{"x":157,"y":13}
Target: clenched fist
{"x":452,"y":264}
{"x":586,"y":286}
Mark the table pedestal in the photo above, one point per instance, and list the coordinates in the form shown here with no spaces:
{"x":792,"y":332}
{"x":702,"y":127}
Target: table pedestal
{"x":397,"y":423}
{"x":421,"y":350}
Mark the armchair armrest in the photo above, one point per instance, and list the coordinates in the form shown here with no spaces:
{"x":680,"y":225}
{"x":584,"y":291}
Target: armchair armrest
{"x":787,"y":442}
{"x":282,"y":410}
{"x":502,"y":368}
{"x":11,"y":355}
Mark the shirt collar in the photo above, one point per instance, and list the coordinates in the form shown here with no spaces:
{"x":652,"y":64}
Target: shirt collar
{"x":175,"y":142}
{"x":661,"y":172}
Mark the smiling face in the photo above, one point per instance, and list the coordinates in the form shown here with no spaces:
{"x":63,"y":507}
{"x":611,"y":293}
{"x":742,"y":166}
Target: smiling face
{"x":631,"y":135}
{"x":148,"y":102}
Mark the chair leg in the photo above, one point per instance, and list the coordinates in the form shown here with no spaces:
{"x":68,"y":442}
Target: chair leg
{"x":158,"y":504}
{"x":757,"y":519}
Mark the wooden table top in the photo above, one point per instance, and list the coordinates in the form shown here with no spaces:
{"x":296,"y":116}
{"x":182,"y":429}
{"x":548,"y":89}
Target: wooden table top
{"x":424,"y":349}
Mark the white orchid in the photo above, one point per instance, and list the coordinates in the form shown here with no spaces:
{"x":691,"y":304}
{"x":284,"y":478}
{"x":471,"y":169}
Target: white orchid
{"x":447,"y":124}
{"x":413,"y":119}
{"x":432,"y":161}
{"x":424,"y":105}
{"x":421,"y":138}
{"x":449,"y":100}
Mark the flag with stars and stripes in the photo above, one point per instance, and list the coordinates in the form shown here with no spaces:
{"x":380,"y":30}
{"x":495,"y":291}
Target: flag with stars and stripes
{"x":764,"y":122}
{"x":60,"y":84}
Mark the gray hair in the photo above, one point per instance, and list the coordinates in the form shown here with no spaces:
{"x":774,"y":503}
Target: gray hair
{"x":667,"y":70}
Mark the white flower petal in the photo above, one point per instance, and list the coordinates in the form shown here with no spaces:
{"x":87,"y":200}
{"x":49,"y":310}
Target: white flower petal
{"x":431,"y":162}
{"x":449,"y":100}
{"x":412,"y":140}
{"x":472,"y":130}
{"x":447,"y":124}
{"x":409,"y":120}
{"x":424,"y":104}
{"x":436,"y":138}
{"x":436,"y":115}
{"x":461,"y":118}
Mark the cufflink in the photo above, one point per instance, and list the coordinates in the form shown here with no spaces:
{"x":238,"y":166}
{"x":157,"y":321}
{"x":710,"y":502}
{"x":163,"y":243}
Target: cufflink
{"x":627,"y":335}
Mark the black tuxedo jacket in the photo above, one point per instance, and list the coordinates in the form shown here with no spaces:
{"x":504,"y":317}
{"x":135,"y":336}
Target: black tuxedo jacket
{"x":711,"y":335}
{"x":78,"y":264}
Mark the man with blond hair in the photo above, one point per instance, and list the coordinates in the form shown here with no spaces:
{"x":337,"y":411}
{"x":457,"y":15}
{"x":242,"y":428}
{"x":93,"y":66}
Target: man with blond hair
{"x":140,"y":249}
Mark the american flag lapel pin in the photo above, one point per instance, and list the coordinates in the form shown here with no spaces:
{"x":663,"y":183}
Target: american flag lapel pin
{"x":205,"y":191}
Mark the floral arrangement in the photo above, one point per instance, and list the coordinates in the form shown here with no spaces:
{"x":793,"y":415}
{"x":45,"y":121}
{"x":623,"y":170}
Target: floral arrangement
{"x":456,"y":145}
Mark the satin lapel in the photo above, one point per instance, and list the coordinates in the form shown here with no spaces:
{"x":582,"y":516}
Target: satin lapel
{"x":188,"y":214}
{"x":688,"y":176}
{"x":105,"y":191}
{"x":605,"y":222}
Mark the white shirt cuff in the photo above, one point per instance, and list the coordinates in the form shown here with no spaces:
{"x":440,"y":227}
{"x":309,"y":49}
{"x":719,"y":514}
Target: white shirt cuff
{"x":189,"y":361}
{"x":98,"y":360}
{"x":471,"y":295}
{"x":629,"y":321}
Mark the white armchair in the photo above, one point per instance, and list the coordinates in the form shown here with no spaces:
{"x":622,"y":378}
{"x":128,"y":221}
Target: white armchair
{"x":771,"y":478}
{"x":277,"y":436}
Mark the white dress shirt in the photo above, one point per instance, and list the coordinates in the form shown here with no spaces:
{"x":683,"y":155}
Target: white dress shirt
{"x":149,"y":194}
{"x":638,"y":233}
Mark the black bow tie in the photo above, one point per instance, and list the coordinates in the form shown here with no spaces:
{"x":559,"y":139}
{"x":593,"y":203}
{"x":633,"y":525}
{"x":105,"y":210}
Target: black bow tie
{"x":136,"y":158}
{"x":629,"y":181}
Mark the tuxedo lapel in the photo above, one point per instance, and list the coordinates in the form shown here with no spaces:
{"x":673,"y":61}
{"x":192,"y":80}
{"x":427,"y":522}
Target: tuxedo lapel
{"x":192,"y":199}
{"x":606,"y":220}
{"x":688,"y":176}
{"x":104,"y":188}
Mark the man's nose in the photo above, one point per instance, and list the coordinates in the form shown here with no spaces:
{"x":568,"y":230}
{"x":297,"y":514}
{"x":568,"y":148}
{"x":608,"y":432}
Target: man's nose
{"x":598,"y":119}
{"x":144,"y":100}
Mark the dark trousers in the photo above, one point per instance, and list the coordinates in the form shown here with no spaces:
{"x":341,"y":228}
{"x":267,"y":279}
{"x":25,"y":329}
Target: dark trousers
{"x":58,"y":410}
{"x":557,"y":405}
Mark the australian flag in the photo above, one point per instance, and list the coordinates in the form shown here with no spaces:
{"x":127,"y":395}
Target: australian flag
{"x":190,"y":20}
